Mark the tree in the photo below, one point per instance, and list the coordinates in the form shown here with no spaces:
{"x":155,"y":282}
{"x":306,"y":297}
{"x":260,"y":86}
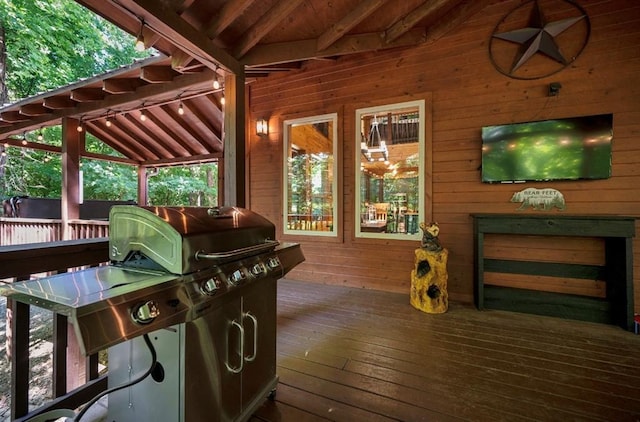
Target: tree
{"x":51,"y":43}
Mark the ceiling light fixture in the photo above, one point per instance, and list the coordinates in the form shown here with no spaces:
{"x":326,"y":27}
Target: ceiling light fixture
{"x":222,"y":100}
{"x":180,"y":109}
{"x":374,"y":144}
{"x":108,"y":122}
{"x":143,"y":116}
{"x":139,"y":46}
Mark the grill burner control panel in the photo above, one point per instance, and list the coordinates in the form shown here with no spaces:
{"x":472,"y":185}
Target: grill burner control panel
{"x":204,"y":288}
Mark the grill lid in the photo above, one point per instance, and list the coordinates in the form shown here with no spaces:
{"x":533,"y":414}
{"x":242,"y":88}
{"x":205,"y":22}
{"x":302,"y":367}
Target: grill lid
{"x":182,"y":240}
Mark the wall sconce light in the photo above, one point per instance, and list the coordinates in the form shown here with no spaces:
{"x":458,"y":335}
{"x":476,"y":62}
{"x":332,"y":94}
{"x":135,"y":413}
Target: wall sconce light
{"x":262,"y":127}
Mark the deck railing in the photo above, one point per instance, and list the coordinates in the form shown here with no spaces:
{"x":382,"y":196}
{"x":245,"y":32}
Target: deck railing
{"x":26,"y":261}
{"x":17,"y":231}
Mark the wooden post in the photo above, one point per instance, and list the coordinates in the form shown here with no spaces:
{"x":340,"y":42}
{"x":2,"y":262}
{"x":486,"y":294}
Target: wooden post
{"x":72,"y":143}
{"x":234,"y":142}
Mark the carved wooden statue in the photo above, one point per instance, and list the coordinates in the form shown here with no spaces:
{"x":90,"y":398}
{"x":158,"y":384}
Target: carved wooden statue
{"x":429,"y":276}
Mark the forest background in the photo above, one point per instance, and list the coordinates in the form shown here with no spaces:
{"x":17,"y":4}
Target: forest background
{"x":47,"y":44}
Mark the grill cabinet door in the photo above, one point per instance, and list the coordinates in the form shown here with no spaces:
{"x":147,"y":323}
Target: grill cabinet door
{"x":260,"y":357}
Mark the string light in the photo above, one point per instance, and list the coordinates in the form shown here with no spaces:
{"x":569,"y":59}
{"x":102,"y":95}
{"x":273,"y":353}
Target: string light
{"x":79,"y":128}
{"x":108,"y":122}
{"x":216,"y":82}
{"x":222,"y":100}
{"x":40,"y":136}
{"x":140,"y":39}
{"x":143,"y":116}
{"x":180,"y":109}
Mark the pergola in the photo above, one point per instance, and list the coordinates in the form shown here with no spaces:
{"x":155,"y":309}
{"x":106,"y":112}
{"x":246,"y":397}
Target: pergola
{"x":200,"y":41}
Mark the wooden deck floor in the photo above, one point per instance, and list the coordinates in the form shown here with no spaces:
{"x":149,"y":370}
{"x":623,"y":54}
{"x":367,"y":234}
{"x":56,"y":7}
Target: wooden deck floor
{"x":358,"y":355}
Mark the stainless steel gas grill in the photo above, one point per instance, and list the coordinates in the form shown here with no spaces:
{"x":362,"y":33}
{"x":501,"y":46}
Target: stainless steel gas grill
{"x":200,"y":284}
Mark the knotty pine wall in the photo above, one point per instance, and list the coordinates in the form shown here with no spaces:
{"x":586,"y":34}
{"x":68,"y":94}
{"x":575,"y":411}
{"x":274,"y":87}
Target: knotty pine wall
{"x":464,"y":92}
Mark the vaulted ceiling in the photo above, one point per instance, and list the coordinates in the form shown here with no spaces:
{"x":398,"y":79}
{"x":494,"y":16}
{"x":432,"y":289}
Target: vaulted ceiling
{"x":201,"y":40}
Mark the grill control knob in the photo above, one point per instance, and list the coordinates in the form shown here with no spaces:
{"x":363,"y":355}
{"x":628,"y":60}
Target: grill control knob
{"x":146,"y":312}
{"x":236,"y":277}
{"x":210,"y":286}
{"x":273,"y":263}
{"x":258,"y":269}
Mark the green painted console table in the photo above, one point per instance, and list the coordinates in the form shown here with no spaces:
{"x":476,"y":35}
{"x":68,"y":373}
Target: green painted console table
{"x":617,"y":232}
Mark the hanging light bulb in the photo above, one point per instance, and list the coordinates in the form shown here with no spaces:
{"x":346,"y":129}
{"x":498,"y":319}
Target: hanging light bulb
{"x":222,"y":100}
{"x":108,"y":122}
{"x":79,"y":127}
{"x":40,"y":136}
{"x":216,"y":81}
{"x":143,"y":116}
{"x":180,"y":109}
{"x":139,"y":46}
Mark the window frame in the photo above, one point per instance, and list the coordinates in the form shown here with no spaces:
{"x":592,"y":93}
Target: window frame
{"x":422,"y":169}
{"x":286,"y":124}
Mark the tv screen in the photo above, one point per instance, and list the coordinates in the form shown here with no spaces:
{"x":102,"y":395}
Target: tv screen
{"x":562,"y":149}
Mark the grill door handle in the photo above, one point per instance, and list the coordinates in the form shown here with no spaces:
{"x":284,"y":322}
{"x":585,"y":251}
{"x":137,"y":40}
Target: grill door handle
{"x":239,"y":368}
{"x":269,"y":244}
{"x":255,"y":336}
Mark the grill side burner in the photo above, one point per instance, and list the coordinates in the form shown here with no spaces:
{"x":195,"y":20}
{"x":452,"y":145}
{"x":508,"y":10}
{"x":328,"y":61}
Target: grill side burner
{"x":201,"y":282}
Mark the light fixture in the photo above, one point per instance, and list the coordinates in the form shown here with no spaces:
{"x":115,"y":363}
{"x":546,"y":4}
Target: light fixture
{"x":79,"y":127}
{"x":216,"y":81}
{"x":222,"y":100}
{"x":40,"y":136}
{"x":108,"y":122}
{"x":262,"y":127}
{"x":143,"y":116}
{"x":374,"y":145}
{"x":140,"y":39}
{"x":180,"y":109}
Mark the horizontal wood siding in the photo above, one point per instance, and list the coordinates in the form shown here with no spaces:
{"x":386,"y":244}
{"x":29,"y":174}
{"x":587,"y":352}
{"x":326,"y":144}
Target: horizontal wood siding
{"x":466,"y":93}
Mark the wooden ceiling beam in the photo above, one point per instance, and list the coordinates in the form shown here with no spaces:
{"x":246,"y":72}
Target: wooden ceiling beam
{"x":180,"y":142}
{"x":157,"y":74}
{"x":164,"y":21}
{"x":111,"y":102}
{"x":225,"y":17}
{"x":121,"y":85}
{"x":264,"y":25}
{"x":13,"y":117}
{"x":183,"y":126}
{"x":402,"y":26}
{"x":215,"y":132}
{"x":34,"y":110}
{"x":82,"y":95}
{"x":455,"y":17}
{"x":276,"y":53}
{"x":59,"y":103}
{"x":115,"y":143}
{"x":357,"y":15}
{"x":135,"y":128}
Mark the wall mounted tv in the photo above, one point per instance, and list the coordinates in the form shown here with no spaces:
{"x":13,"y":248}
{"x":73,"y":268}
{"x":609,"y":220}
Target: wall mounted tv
{"x":561,"y":149}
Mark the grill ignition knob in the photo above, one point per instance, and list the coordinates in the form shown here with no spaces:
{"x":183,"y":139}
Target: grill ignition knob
{"x":146,"y":312}
{"x":210,"y":286}
{"x":236,"y":277}
{"x":258,"y":269}
{"x":273,"y":263}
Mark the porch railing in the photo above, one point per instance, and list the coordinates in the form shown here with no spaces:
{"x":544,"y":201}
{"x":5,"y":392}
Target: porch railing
{"x":25,"y":261}
{"x":16,"y":231}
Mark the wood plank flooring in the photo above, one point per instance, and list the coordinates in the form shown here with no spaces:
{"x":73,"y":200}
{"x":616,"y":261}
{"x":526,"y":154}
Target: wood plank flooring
{"x":349,"y":354}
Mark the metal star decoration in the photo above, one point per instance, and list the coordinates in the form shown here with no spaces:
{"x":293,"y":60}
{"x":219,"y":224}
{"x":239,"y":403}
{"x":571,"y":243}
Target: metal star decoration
{"x":539,"y":37}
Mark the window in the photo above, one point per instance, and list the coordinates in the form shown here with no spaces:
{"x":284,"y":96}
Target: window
{"x":390,"y":170}
{"x":310,"y":175}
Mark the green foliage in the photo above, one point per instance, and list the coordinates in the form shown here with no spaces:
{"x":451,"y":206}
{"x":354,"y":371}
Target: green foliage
{"x":51,"y":43}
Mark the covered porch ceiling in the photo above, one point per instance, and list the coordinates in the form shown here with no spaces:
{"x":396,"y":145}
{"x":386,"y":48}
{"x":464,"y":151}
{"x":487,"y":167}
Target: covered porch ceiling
{"x":200,"y":40}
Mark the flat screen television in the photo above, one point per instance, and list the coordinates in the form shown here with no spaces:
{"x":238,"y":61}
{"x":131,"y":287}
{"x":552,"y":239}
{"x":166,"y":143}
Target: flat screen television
{"x":560,"y":149}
